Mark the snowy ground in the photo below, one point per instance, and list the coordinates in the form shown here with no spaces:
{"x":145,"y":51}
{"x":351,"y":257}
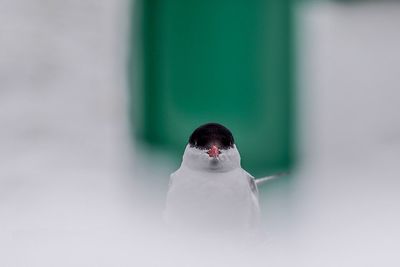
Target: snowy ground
{"x":67,"y":190}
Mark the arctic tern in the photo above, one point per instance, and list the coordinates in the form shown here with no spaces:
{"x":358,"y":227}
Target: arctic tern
{"x":210,"y":190}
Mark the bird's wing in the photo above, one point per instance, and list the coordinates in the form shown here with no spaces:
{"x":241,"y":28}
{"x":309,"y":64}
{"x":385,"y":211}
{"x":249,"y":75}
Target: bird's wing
{"x":263,"y":180}
{"x":252,"y":184}
{"x":171,"y":179}
{"x":254,"y":220}
{"x":166,"y":212}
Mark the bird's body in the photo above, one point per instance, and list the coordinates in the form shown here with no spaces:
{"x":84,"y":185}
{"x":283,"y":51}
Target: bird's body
{"x":210,"y":190}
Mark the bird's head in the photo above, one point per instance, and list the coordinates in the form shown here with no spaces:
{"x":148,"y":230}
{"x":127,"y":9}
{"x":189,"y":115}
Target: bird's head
{"x":211,"y":147}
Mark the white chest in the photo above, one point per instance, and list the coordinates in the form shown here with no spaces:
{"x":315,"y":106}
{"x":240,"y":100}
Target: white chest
{"x":210,"y":198}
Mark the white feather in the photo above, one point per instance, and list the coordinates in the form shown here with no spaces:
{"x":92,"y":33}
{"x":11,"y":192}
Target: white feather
{"x":212,"y":193}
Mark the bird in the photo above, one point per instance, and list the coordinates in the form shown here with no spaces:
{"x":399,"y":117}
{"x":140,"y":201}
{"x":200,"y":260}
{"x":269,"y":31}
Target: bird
{"x":210,"y":190}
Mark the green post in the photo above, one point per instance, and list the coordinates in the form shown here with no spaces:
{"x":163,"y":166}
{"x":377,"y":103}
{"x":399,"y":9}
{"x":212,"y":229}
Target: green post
{"x":226,"y":61}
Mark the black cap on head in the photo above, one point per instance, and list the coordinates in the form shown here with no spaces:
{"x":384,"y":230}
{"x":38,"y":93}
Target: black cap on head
{"x":211,"y":133}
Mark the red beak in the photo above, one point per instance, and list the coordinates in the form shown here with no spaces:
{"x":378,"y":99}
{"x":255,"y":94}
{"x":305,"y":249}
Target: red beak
{"x":213,"y":151}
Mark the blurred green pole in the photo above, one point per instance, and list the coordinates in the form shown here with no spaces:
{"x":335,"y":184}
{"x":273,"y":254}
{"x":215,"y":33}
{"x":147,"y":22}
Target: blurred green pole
{"x":226,"y":61}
